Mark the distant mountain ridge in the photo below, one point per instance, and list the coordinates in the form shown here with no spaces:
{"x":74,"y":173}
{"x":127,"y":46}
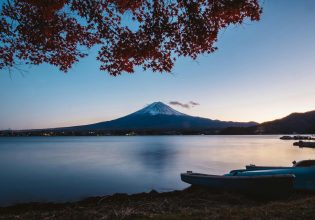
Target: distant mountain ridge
{"x":293,"y":123}
{"x":158,"y":116}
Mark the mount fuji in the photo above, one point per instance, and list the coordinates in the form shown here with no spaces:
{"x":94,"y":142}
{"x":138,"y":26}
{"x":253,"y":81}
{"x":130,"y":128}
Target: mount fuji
{"x":157,"y":117}
{"x":158,"y":108}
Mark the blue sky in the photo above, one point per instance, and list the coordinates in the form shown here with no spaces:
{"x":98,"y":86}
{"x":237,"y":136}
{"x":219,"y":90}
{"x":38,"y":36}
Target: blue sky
{"x":262,"y":71}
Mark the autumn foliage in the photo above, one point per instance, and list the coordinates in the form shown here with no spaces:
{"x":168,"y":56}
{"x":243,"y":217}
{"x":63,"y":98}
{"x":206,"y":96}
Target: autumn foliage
{"x":146,"y":33}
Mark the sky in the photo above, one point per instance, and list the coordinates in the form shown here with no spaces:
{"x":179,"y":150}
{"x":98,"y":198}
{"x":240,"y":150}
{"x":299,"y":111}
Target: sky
{"x":262,"y":71}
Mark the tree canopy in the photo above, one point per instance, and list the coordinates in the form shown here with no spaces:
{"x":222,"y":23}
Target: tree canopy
{"x":146,"y":33}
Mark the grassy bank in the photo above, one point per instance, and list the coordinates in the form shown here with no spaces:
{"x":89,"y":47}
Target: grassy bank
{"x":192,"y":203}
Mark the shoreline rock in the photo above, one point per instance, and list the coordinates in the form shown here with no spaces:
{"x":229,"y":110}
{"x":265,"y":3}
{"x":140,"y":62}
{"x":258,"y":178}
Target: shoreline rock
{"x":298,"y":137}
{"x":308,"y":144}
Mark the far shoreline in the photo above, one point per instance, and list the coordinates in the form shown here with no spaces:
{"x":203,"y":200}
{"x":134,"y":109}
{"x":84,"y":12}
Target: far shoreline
{"x":146,"y":135}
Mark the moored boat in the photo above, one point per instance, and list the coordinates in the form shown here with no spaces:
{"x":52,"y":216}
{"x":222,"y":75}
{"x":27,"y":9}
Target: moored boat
{"x":253,"y":167}
{"x":302,"y":163}
{"x":301,"y":176}
{"x":304,"y":172}
{"x":252,"y":184}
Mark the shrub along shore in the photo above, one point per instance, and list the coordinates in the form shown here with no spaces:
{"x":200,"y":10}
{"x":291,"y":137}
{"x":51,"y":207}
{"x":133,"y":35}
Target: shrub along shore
{"x":191,"y":203}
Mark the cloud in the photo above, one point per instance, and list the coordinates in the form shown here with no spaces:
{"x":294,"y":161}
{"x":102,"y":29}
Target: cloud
{"x":179,"y":104}
{"x":194,"y":103}
{"x":184,"y":105}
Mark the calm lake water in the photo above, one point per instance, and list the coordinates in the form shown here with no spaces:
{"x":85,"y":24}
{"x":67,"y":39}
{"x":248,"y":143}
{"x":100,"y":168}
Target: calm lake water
{"x":72,"y":168}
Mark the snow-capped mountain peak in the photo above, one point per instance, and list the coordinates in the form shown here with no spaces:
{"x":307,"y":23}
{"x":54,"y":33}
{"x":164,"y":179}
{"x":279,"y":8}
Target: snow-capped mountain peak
{"x":158,"y":108}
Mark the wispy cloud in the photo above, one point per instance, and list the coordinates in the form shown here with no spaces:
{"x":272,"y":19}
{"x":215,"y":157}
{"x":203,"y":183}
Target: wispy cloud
{"x":194,"y":103}
{"x":184,"y":105}
{"x":179,"y":104}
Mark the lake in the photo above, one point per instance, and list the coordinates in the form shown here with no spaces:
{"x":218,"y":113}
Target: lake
{"x":61,"y":169}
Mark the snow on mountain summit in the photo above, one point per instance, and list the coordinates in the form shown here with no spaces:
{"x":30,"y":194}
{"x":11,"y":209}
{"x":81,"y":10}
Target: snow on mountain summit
{"x":158,"y":108}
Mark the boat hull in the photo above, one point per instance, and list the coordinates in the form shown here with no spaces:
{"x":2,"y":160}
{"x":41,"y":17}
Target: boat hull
{"x":256,"y":184}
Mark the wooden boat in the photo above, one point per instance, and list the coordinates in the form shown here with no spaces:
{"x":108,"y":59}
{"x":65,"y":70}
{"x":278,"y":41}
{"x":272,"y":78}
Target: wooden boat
{"x":259,"y":184}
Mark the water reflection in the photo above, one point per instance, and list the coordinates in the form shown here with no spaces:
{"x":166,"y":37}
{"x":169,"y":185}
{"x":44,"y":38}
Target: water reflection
{"x":70,"y":168}
{"x":156,"y":157}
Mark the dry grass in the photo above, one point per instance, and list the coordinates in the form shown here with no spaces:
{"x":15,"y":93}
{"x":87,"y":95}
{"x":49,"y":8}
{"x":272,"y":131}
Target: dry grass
{"x":192,"y":203}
